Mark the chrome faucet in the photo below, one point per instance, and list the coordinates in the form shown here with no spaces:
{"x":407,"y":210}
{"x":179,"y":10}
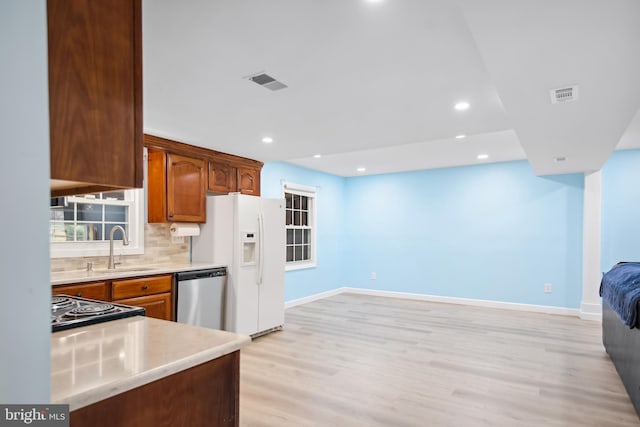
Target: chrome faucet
{"x":125,"y":242}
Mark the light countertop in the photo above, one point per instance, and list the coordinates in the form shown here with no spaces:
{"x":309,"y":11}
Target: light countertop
{"x":78,"y":276}
{"x":95,"y":362}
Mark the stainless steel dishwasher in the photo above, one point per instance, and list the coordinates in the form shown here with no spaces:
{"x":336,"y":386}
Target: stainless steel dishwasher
{"x":200,"y":297}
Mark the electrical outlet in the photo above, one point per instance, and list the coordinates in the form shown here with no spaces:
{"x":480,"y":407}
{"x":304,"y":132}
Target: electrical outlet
{"x":548,"y":288}
{"x":374,"y":276}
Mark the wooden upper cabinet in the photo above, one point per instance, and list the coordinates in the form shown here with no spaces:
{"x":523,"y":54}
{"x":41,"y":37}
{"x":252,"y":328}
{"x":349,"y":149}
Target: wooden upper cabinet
{"x":222,"y":177}
{"x":95,"y":95}
{"x":249,"y":181}
{"x":186,"y":189}
{"x":179,"y":176}
{"x":177,"y":188}
{"x":227,"y":177}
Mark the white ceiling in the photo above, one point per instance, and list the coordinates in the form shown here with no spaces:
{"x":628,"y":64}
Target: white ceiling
{"x":373,"y":84}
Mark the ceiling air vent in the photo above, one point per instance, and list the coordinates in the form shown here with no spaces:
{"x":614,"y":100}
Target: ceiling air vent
{"x":267,"y":81}
{"x":564,"y":94}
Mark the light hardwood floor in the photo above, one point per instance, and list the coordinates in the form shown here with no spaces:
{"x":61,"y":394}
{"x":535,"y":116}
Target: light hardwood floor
{"x":355,"y":360}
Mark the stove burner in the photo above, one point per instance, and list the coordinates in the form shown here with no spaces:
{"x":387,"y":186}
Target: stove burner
{"x":71,"y":312}
{"x":91,"y":310}
{"x":60,"y":302}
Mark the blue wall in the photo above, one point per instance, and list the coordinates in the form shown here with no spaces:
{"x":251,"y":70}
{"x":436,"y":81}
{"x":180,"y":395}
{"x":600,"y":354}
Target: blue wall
{"x":621,"y":208}
{"x":329,"y":273}
{"x":494,"y":232}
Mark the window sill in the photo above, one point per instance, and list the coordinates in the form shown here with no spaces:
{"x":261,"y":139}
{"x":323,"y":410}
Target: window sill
{"x":299,"y":266}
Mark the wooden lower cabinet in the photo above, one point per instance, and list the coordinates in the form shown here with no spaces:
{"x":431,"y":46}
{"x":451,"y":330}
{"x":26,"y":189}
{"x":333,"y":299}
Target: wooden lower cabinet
{"x":203,"y":396}
{"x":95,"y":290}
{"x":153,"y":293}
{"x":156,"y":306}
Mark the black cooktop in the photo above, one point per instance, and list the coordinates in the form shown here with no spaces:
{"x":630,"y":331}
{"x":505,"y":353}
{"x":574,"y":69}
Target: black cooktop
{"x":71,"y":312}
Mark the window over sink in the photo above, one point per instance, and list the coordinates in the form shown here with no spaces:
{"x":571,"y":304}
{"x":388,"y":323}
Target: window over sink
{"x":80,"y":225}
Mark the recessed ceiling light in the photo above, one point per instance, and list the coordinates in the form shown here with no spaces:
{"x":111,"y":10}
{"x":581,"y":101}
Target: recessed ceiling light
{"x":267,"y":140}
{"x":483,"y":156}
{"x":361,"y":169}
{"x":317,"y":156}
{"x":461,"y":106}
{"x":461,"y":136}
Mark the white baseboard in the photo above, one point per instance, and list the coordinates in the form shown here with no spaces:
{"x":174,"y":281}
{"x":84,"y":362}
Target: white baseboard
{"x":590,"y":311}
{"x":562,"y":311}
{"x":314,"y":297}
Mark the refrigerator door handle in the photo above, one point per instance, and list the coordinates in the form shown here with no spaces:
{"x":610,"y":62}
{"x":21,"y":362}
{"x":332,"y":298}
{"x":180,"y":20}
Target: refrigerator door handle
{"x":260,"y":248}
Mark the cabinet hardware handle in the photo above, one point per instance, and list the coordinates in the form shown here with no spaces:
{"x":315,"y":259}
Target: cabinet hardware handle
{"x":170,"y":215}
{"x":145,"y":287}
{"x":79,"y":294}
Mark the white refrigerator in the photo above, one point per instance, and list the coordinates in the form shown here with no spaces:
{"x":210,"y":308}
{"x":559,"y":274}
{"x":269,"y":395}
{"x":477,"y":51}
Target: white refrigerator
{"x":247,"y":234}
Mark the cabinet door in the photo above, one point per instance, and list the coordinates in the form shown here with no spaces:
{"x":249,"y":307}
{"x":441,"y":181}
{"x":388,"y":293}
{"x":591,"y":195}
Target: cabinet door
{"x":249,"y":181}
{"x":222,"y":177}
{"x":95,"y":94}
{"x":156,"y":186}
{"x":186,"y":189}
{"x":142,"y":286}
{"x":157,"y":306}
{"x":96,"y":290}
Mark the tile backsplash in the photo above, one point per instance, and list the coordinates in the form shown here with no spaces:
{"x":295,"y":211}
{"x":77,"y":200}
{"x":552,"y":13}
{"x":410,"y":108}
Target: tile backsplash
{"x":158,"y":249}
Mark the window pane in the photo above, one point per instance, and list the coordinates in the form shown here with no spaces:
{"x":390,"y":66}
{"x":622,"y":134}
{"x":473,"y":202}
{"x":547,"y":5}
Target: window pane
{"x":89,"y":212}
{"x":118,"y":234}
{"x":299,"y":220}
{"x":94,"y":231}
{"x":76,"y":232}
{"x":68,"y":211}
{"x":82,"y":232}
{"x":115,"y":213}
{"x":58,"y":232}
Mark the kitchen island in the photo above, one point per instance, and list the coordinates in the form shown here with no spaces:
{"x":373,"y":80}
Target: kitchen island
{"x":141,"y":371}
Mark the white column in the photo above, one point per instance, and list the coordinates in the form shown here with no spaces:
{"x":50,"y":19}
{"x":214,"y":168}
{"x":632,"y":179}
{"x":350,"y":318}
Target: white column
{"x":590,"y":308}
{"x":25,"y":290}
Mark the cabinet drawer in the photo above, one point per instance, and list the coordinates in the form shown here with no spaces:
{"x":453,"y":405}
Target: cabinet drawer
{"x":157,"y":306}
{"x":140,"y":287}
{"x":96,"y":290}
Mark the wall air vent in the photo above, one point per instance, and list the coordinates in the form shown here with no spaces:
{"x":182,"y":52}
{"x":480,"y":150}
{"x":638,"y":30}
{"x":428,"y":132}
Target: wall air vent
{"x":267,"y":81}
{"x":564,"y":94}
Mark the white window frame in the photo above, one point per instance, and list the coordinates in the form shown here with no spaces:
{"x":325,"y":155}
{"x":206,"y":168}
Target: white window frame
{"x":311,"y":193}
{"x":101,"y":248}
